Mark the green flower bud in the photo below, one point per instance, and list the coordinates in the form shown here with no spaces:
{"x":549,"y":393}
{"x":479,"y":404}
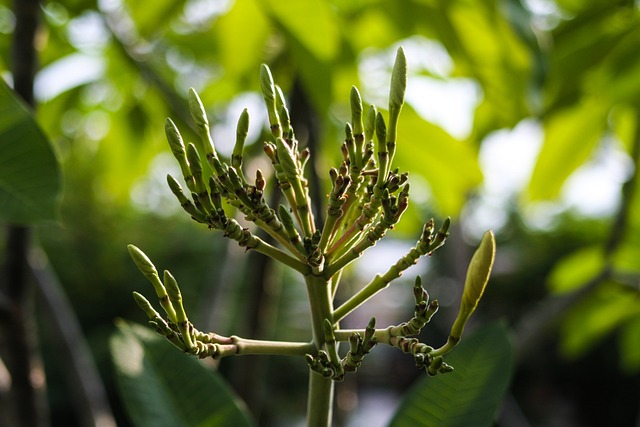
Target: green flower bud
{"x":287,"y":160}
{"x":370,"y":124}
{"x":147,"y":268}
{"x":284,"y":112}
{"x":476,"y":281}
{"x":396,"y":99}
{"x":174,"y":138}
{"x":269,"y":95}
{"x":241,"y":135}
{"x":142,"y":261}
{"x":201,"y":121}
{"x":356,"y":111}
{"x":198,"y":114}
{"x":479,"y":271}
{"x":194,"y":160}
{"x":398,"y":82}
{"x":145,"y":305}
{"x":175,"y":296}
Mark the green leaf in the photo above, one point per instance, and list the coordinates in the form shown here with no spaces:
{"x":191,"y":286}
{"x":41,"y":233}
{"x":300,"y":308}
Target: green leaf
{"x":450,"y":166}
{"x":570,"y":137}
{"x":629,"y":348}
{"x":605,"y":309}
{"x":312,"y":23}
{"x":150,"y":16}
{"x":238,"y":41}
{"x":468,"y":396}
{"x":576,"y":269}
{"x":30,"y":178}
{"x":163,"y":387}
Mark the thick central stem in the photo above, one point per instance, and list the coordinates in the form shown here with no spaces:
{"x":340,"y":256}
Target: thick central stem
{"x":320,"y":398}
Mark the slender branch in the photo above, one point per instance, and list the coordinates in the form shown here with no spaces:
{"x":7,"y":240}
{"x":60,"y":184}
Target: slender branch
{"x":426,"y":245}
{"x":93,"y":406}
{"x":284,"y":348}
{"x":27,"y":395}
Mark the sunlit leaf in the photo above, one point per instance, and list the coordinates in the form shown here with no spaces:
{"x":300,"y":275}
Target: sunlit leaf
{"x":484,"y":45}
{"x":576,"y":269}
{"x":570,"y":137}
{"x":595,"y":317}
{"x":468,"y":396}
{"x":450,"y":166}
{"x":629,"y":346}
{"x":624,"y":121}
{"x":312,"y":23}
{"x":238,"y":41}
{"x":162,"y":386}
{"x":30,"y":178}
{"x":151,"y":16}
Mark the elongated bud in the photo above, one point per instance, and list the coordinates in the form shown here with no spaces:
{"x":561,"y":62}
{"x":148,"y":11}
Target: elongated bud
{"x":383,"y":154}
{"x":142,"y":261}
{"x":381,"y":133}
{"x":283,"y":111}
{"x":147,"y":268}
{"x":350,"y":144}
{"x":216,"y":196}
{"x":419,"y":293}
{"x":175,"y":296}
{"x":260,"y":181}
{"x":267,"y":86}
{"x":145,"y":305}
{"x":270,"y":150}
{"x":241,"y":136}
{"x":286,"y":159}
{"x":370,"y":124}
{"x":194,"y":160}
{"x":198,"y":114}
{"x":174,"y":138}
{"x":396,"y":99}
{"x":398,"y":81}
{"x":173,"y":290}
{"x":476,"y":281}
{"x":285,"y":218}
{"x":479,"y":271}
{"x":356,"y":111}
{"x":269,"y":95}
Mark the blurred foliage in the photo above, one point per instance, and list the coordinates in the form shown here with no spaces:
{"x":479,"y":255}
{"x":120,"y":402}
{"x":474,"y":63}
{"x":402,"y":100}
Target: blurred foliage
{"x":112,"y":70}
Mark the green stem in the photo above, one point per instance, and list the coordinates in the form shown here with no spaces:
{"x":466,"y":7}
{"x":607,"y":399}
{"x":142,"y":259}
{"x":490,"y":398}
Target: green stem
{"x":320,"y":400}
{"x":319,"y":291}
{"x":248,"y":346}
{"x":278,"y":255}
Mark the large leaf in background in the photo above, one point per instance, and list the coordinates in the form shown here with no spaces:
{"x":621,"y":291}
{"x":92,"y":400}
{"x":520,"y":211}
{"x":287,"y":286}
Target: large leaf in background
{"x":576,"y":269}
{"x":238,"y":42}
{"x":470,"y":395}
{"x":151,"y":16}
{"x":162,"y":387}
{"x":449,"y":165}
{"x":485,"y":46}
{"x":629,"y":348}
{"x":570,"y":137}
{"x":30,"y":178}
{"x":605,"y":309}
{"x":312,"y":23}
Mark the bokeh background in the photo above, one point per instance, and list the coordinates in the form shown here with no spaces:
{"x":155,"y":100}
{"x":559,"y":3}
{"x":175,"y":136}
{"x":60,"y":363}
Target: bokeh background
{"x":522,"y":116}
